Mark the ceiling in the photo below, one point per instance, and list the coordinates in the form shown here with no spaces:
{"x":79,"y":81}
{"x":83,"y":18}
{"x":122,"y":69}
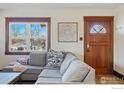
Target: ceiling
{"x":6,"y":6}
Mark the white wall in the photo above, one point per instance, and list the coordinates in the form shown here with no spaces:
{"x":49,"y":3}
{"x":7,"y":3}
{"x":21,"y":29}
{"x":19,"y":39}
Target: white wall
{"x":119,"y":41}
{"x":56,"y":16}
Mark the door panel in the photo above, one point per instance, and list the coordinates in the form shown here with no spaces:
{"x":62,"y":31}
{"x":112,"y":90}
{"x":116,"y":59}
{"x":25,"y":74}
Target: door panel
{"x":98,"y":43}
{"x":91,"y":58}
{"x":102,"y":56}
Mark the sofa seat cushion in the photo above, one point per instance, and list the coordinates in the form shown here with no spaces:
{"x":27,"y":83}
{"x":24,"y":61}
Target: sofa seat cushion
{"x":48,"y":80}
{"x":33,"y":69}
{"x":68,"y":59}
{"x":49,"y":73}
{"x":51,"y":67}
{"x":76,"y":72}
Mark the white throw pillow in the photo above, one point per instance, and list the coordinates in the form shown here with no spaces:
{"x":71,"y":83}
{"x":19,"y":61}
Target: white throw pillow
{"x":76,"y":72}
{"x":68,"y":58}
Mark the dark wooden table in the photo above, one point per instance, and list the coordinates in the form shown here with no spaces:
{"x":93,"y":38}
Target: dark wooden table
{"x":9,"y":77}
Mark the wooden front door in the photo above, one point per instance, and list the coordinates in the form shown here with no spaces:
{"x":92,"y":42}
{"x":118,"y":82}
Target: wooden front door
{"x":98,"y":43}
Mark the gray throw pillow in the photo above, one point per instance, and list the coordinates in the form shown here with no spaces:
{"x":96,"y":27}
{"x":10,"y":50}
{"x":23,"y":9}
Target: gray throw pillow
{"x":76,"y":72}
{"x":68,"y":58}
{"x":37,"y":58}
{"x":54,"y":58}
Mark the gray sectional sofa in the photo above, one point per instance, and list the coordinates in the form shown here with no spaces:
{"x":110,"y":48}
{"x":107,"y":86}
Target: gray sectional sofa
{"x":71,"y":70}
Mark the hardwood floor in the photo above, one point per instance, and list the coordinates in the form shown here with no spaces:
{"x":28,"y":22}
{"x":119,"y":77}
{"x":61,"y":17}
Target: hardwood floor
{"x":108,"y":79}
{"x":100,"y":79}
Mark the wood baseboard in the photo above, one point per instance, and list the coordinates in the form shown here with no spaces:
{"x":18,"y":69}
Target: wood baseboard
{"x":118,"y":75}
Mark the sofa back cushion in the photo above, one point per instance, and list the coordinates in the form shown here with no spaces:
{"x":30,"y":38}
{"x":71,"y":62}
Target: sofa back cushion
{"x":37,"y":58}
{"x":76,"y":72}
{"x":65,"y":64}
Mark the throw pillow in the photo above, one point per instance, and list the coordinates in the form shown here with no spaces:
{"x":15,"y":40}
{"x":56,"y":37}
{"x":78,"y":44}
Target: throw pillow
{"x":22,"y":60}
{"x":19,"y":67}
{"x":54,"y":58}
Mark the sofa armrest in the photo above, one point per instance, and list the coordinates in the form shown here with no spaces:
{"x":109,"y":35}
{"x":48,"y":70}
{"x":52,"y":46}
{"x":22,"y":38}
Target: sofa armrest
{"x":90,"y":78}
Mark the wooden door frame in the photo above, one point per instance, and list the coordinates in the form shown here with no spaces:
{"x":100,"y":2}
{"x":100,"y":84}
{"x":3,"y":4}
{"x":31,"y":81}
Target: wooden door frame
{"x":111,"y":19}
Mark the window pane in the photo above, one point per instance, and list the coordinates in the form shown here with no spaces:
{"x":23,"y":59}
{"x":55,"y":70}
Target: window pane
{"x":18,"y":44}
{"x":18,"y":30}
{"x":18,"y":37}
{"x":38,"y":36}
{"x":38,"y":30}
{"x":98,"y":29}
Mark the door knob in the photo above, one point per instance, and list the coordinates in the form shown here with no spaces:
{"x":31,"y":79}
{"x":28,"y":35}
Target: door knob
{"x":88,"y":46}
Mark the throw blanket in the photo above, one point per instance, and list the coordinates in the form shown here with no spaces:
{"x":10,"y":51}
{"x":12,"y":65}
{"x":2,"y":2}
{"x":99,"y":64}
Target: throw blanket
{"x":19,"y":67}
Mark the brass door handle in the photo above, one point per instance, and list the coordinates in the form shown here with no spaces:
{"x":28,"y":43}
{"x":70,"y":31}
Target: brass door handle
{"x":88,"y":46}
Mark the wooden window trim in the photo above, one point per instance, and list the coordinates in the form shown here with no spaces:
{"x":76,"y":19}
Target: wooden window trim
{"x":24,"y":19}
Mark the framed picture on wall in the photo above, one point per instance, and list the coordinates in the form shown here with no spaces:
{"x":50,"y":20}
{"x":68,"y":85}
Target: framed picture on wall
{"x":67,"y":32}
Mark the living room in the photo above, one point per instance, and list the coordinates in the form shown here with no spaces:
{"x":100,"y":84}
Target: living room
{"x":61,"y":15}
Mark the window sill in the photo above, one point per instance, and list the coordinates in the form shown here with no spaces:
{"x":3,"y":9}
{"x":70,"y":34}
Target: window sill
{"x":17,"y":53}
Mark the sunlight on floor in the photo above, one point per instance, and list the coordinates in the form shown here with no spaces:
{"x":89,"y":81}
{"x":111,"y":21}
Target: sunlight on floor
{"x":108,"y":79}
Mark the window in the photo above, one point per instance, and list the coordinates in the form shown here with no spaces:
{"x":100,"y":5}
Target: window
{"x":98,"y":29}
{"x":24,"y":35}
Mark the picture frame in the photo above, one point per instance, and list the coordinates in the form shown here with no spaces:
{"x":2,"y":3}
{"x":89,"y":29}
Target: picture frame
{"x":67,"y":32}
